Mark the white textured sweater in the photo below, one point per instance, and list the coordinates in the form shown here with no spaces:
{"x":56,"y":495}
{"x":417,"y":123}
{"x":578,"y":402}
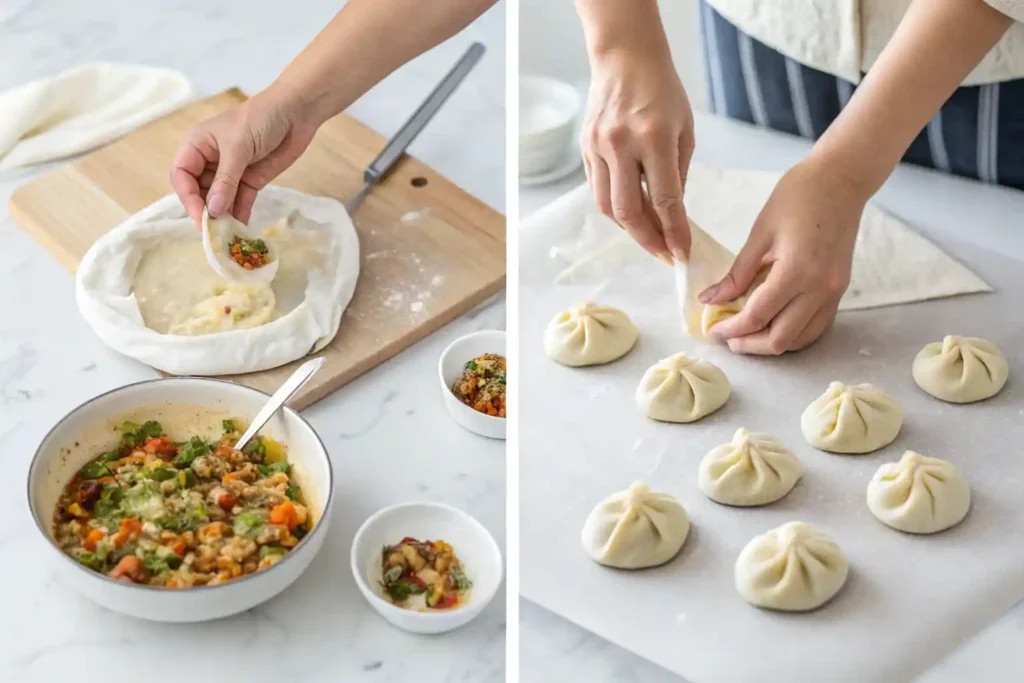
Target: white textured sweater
{"x":844,"y":37}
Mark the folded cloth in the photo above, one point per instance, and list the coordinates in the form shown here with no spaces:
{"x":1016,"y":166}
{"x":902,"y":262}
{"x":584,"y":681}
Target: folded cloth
{"x":83,"y":108}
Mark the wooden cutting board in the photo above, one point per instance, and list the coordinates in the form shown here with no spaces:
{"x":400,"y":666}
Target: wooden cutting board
{"x":416,"y":275}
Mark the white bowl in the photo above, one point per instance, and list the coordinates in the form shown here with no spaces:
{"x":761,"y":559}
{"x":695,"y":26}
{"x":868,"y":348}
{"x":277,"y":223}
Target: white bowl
{"x":181,"y":404}
{"x":450,"y":367}
{"x":547,"y":116}
{"x":473,"y":545}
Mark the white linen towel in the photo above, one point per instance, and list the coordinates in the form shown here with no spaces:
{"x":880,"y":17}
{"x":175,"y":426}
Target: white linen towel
{"x":83,"y":108}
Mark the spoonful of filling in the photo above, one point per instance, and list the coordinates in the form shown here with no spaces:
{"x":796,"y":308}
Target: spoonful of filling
{"x":236,"y":252}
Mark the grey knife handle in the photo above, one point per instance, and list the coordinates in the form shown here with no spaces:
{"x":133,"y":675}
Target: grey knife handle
{"x":380,"y":166}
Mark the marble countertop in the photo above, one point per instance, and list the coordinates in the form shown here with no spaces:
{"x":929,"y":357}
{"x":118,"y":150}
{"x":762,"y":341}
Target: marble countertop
{"x":387,"y":432}
{"x":554,"y":649}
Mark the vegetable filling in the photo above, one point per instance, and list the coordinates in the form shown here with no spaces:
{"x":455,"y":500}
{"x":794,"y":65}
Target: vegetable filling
{"x":178,"y":514}
{"x":423,"y":575}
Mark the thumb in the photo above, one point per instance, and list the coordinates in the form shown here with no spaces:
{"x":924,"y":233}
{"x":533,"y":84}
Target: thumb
{"x":230,"y":167}
{"x":740,"y":276}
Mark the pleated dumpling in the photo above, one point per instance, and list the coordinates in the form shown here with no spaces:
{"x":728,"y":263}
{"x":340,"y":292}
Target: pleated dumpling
{"x":852,"y":419}
{"x":682,"y":389}
{"x":752,"y":469}
{"x":636,"y":528}
{"x":589,"y":334}
{"x":918,"y":494}
{"x":961,"y":369}
{"x":792,"y":568}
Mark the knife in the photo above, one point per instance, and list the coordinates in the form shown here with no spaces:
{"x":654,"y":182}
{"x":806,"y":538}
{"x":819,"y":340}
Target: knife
{"x":392,"y":152}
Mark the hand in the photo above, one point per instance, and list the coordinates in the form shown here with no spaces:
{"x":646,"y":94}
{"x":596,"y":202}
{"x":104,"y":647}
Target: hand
{"x":805,"y":233}
{"x":227,"y":159}
{"x":639,"y":124}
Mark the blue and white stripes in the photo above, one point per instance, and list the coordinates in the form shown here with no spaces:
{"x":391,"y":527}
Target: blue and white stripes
{"x":751,"y":82}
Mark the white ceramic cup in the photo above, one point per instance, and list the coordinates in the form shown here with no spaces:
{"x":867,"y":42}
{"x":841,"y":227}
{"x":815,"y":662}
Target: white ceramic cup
{"x":547,"y":115}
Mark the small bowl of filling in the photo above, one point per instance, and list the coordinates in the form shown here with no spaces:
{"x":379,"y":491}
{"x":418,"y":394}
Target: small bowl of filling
{"x":473,"y":372}
{"x":152,"y":512}
{"x":426,"y":567}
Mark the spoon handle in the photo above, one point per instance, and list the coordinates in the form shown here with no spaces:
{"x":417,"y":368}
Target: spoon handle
{"x":280,"y":397}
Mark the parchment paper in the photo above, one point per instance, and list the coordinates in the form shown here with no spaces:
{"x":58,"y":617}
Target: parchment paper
{"x":909,"y":600}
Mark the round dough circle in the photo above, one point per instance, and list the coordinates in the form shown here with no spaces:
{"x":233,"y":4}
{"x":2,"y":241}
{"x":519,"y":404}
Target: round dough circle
{"x":682,"y":389}
{"x":636,"y":528}
{"x":849,"y":418}
{"x":752,"y":469}
{"x":961,"y":369}
{"x":589,"y":334}
{"x":792,"y":568}
{"x":918,"y":494}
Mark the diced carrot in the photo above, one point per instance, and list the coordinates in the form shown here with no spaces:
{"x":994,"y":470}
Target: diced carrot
{"x":130,"y":529}
{"x":285,"y":514}
{"x":130,"y":566}
{"x":230,"y":476}
{"x":94,"y":537}
{"x":179,"y":547}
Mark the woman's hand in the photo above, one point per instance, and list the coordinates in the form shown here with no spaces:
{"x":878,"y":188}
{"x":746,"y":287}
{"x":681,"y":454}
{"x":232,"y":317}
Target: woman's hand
{"x":638,"y":125}
{"x":227,"y":159}
{"x":805,"y":233}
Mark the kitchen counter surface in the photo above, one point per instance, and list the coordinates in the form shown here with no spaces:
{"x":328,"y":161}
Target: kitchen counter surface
{"x":553,"y":649}
{"x":388,"y":433}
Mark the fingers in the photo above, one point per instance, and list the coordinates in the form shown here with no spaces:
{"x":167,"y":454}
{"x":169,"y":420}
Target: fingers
{"x":761,"y":308}
{"x":599,"y":185}
{"x":628,"y":206}
{"x":244,"y":200}
{"x":742,"y":274}
{"x":686,"y":145}
{"x":779,"y":336}
{"x":665,"y":190}
{"x":186,"y":171}
{"x":230,"y":167}
{"x":818,"y":325}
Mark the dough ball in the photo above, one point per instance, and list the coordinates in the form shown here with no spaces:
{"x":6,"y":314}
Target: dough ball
{"x":918,"y":494}
{"x":961,"y":369}
{"x":682,"y":389}
{"x":849,"y":418}
{"x":636,"y":528}
{"x":589,"y":334}
{"x":752,"y":469}
{"x":793,"y":568}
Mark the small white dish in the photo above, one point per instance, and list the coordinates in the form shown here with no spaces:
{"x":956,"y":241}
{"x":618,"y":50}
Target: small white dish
{"x":547,"y":116}
{"x":194,"y":404}
{"x":450,"y":367}
{"x":473,"y":545}
{"x":572,"y":164}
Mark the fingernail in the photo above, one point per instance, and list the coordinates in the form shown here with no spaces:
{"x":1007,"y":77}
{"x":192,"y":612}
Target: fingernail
{"x":667,"y":259}
{"x":215,"y":204}
{"x":708,"y":294}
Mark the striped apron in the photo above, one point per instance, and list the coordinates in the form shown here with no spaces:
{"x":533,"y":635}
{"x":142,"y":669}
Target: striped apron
{"x":978,"y":133}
